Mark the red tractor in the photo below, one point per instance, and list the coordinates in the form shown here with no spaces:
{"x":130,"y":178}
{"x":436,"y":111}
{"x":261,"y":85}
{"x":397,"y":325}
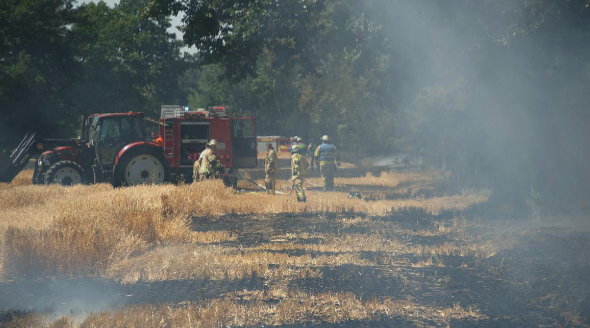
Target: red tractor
{"x":115,"y":148}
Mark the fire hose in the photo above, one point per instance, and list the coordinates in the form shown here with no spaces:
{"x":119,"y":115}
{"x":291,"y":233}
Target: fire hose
{"x":254,"y":183}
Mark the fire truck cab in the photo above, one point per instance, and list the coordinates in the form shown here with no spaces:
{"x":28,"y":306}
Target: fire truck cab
{"x":185,"y":134}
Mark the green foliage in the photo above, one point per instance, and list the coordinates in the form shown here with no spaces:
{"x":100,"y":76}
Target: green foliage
{"x":131,"y":62}
{"x":57,"y":62}
{"x":302,"y":67}
{"x":36,"y":66}
{"x":433,"y":123}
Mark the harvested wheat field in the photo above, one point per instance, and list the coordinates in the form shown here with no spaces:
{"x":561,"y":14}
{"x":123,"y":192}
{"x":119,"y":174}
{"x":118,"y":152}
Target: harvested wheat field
{"x":408,"y":253}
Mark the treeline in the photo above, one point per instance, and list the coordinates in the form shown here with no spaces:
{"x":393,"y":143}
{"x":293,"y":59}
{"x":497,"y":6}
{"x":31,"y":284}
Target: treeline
{"x":59,"y":61}
{"x":496,"y":91}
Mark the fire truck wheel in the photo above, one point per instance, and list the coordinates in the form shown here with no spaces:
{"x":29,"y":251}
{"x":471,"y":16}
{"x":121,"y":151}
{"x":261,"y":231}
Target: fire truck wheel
{"x":143,"y":166}
{"x":65,"y":173}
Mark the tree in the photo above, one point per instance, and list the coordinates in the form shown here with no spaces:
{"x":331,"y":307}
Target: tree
{"x":58,"y":62}
{"x":130,"y":62}
{"x":37,"y":68}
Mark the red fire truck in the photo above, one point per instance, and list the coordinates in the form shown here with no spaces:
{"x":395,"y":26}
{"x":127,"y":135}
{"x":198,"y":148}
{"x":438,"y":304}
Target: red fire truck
{"x":281,"y":144}
{"x":185,"y":134}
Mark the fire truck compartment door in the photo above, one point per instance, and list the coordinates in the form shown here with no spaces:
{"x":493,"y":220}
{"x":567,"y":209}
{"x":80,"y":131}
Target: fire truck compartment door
{"x":244,"y":143}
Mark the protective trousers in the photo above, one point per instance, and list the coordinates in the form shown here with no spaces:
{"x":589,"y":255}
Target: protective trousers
{"x":270,"y":183}
{"x":205,"y":176}
{"x":327,"y":171}
{"x":196,"y":171}
{"x":298,"y":185}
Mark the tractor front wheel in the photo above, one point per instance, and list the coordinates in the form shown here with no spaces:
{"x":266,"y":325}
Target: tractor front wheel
{"x":142,"y":167}
{"x":65,"y":173}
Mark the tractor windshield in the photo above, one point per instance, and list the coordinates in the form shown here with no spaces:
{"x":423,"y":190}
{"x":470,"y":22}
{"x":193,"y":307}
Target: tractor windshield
{"x":110,"y":131}
{"x":116,"y":132}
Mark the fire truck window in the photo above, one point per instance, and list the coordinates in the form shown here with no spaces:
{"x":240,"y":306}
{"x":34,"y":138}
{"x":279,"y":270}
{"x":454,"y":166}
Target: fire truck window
{"x":194,"y":133}
{"x":244,"y":129}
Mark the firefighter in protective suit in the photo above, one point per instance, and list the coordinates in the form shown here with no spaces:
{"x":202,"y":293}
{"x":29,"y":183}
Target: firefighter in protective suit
{"x":297,"y":146}
{"x":207,"y":165}
{"x":325,"y":155}
{"x":298,"y":174}
{"x":271,"y":167}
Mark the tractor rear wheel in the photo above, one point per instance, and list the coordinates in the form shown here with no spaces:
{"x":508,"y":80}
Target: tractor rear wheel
{"x":142,"y":166}
{"x":65,"y":173}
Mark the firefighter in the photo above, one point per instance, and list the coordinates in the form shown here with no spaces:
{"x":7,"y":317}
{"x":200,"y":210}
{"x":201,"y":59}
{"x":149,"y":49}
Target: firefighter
{"x":325,"y":154}
{"x":271,"y":167}
{"x":207,"y":165}
{"x":297,"y":146}
{"x":158,"y":139}
{"x":310,"y":151}
{"x":298,"y":175}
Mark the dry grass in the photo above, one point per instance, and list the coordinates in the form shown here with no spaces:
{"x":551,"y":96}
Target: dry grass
{"x":210,"y":198}
{"x":216,"y":263}
{"x":390,"y":179}
{"x":144,"y":234}
{"x":92,"y":229}
{"x":354,"y":243}
{"x":290,"y":308}
{"x":85,"y":229}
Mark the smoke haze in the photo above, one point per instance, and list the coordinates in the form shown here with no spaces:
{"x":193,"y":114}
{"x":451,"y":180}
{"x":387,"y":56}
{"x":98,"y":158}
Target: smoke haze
{"x":502,"y":95}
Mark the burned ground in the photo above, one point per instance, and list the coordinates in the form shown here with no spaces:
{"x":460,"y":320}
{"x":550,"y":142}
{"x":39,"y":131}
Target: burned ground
{"x":408,"y":254}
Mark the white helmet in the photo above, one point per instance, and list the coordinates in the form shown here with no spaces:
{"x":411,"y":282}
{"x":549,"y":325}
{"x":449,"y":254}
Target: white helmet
{"x":212,"y":142}
{"x":325,"y":138}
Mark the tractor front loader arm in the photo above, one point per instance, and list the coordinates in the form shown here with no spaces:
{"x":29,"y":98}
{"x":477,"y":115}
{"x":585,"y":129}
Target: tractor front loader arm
{"x":11,"y":166}
{"x":30,"y":147}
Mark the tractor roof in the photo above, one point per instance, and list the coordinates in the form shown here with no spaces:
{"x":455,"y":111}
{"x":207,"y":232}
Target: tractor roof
{"x":105,"y":115}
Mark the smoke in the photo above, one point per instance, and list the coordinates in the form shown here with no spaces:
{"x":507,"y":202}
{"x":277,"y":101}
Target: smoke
{"x":494,"y":100}
{"x":74,"y":298}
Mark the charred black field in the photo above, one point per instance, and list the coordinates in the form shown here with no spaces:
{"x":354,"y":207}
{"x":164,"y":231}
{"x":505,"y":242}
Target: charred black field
{"x":409,"y":253}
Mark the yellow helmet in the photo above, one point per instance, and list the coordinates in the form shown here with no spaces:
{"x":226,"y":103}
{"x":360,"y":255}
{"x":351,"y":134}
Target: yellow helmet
{"x":212,"y":142}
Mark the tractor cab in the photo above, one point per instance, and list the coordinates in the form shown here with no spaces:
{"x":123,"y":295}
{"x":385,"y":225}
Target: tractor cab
{"x":107,"y":134}
{"x":122,"y":152}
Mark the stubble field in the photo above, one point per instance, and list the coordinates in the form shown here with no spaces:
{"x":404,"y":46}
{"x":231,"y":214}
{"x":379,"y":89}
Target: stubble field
{"x":408,"y":253}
